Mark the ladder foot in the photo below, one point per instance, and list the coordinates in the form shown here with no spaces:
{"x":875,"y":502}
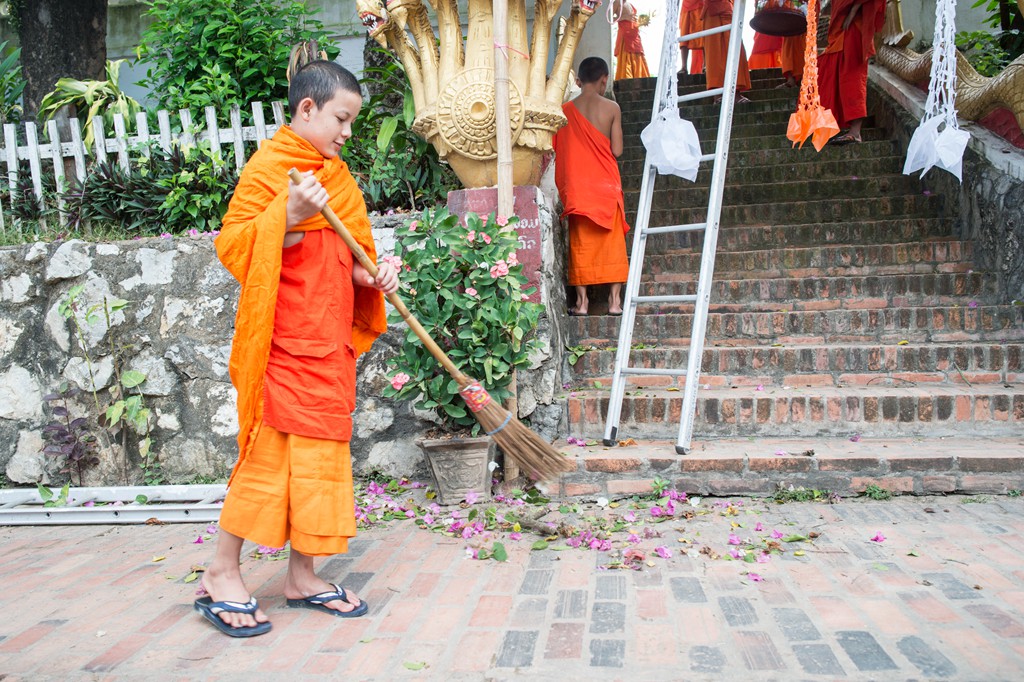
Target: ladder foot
{"x":680,"y":450}
{"x":609,"y":442}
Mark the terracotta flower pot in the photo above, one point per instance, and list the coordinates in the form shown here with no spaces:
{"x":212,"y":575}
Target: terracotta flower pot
{"x":459,"y":466}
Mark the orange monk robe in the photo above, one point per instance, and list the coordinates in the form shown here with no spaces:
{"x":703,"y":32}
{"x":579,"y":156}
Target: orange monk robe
{"x":843,"y":66}
{"x":716,"y":47}
{"x":589,"y":185}
{"x":793,"y":56}
{"x":690,"y":22}
{"x":765,"y":54}
{"x":279,"y":340}
{"x":629,"y":51}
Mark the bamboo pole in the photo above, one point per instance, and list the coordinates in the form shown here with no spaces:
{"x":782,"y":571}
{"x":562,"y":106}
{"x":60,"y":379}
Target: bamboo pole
{"x":503,"y":124}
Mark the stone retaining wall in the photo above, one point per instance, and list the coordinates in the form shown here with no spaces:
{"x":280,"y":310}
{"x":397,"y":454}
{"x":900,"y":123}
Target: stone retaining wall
{"x":176,"y":329}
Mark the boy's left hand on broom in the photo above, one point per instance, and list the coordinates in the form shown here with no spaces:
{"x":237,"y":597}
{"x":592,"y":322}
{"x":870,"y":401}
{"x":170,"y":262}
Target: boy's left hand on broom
{"x":386,"y":280}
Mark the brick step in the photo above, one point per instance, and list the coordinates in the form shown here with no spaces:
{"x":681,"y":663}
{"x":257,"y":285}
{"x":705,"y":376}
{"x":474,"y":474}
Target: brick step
{"x":633,"y":148}
{"x":969,"y":464}
{"x":929,"y":410}
{"x":831,"y":365}
{"x":772,"y":115}
{"x":871,"y":291}
{"x":942,"y":254}
{"x":747,"y":237}
{"x":761,"y":99}
{"x":801,"y":213}
{"x":793,"y":171}
{"x":760,"y":80}
{"x":937,"y":324}
{"x":871,"y":186}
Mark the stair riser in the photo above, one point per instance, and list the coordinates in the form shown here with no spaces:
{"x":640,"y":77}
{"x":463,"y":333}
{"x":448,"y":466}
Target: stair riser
{"x":818,"y":366}
{"x":802,"y":213}
{"x":785,"y":172}
{"x":736,"y":238}
{"x":634,"y":150}
{"x":890,"y":326}
{"x":806,"y":416}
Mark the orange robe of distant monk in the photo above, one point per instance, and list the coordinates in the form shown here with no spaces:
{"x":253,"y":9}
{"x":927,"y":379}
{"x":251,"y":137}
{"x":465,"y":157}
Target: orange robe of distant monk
{"x":716,"y":47}
{"x":765,"y":54}
{"x":299,"y":327}
{"x":843,"y":66}
{"x":690,"y":22}
{"x":587,"y":176}
{"x":629,"y":51}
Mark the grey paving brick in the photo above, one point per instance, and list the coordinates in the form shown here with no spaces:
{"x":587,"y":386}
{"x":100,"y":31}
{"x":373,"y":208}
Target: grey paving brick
{"x":536,"y":581}
{"x":688,"y":590}
{"x":865,"y":652}
{"x":737,"y":611}
{"x":530,"y":611}
{"x":610,"y":587}
{"x":951,"y":586}
{"x":706,"y":659}
{"x":817,"y":659}
{"x":608,"y":617}
{"x":517,"y":649}
{"x":648,"y":578}
{"x":571,"y":604}
{"x":758,"y":651}
{"x":607,"y":653}
{"x":867,"y":550}
{"x":996,"y":620}
{"x":930,"y":662}
{"x":350,"y":581}
{"x":796,"y":625}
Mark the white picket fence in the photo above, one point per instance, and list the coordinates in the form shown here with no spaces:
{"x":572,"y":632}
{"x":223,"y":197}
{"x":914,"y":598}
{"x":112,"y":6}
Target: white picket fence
{"x":122,"y":141}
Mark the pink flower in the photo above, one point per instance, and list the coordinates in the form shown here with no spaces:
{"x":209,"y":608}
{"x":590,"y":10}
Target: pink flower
{"x":428,"y":519}
{"x":198,"y":540}
{"x":760,"y":387}
{"x":399,"y":380}
{"x":471,"y":236}
{"x":165,"y":235}
{"x":663,"y":551}
{"x":499,"y":269}
{"x":212,"y":529}
{"x":629,"y":517}
{"x":515,"y":536}
{"x":514,"y":261}
{"x":395,"y":261}
{"x":776,"y":535}
{"x":756,"y":577}
{"x":410,"y":514}
{"x":657,"y":511}
{"x":878,"y":537}
{"x":472,"y":497}
{"x":855,"y":438}
{"x":734,"y":539}
{"x":485,"y":237}
{"x":633,"y":539}
{"x":525,"y":297}
{"x":763,"y":558}
{"x":735,"y":553}
{"x":413,"y":225}
{"x":501,"y":220}
{"x":758,"y":527}
{"x":470,"y":291}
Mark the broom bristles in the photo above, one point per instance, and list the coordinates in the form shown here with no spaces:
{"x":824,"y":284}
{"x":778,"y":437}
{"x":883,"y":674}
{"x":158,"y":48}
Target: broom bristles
{"x":535,"y":456}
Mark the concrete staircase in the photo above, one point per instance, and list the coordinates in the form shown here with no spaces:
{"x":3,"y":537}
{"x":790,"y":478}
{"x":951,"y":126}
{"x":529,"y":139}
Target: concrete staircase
{"x":842,"y":307}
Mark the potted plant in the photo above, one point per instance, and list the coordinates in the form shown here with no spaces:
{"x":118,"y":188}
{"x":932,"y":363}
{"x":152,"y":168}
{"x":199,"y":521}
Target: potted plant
{"x":465,"y":285}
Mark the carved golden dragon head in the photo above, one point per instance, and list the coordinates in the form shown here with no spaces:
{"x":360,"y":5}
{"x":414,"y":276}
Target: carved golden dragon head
{"x":587,"y":7}
{"x":374,"y":18}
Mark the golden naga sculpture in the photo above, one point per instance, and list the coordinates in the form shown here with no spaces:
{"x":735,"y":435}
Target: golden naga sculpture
{"x":453,"y":88}
{"x":976,"y":95}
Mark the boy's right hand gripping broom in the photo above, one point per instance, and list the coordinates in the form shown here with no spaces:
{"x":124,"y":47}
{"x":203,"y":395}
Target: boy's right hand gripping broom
{"x":532,"y":453}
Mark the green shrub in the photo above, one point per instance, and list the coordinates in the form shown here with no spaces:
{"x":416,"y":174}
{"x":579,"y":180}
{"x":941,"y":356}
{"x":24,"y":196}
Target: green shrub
{"x":12,"y":83}
{"x":224,"y":52}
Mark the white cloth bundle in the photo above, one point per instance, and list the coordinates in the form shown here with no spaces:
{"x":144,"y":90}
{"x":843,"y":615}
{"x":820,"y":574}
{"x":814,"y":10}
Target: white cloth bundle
{"x":672,"y":145}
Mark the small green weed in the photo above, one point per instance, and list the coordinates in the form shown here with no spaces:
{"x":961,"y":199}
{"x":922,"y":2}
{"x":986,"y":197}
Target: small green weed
{"x":1013,"y":492}
{"x":802,"y":494}
{"x":976,"y":499}
{"x":875,"y":492}
{"x":577,"y":352}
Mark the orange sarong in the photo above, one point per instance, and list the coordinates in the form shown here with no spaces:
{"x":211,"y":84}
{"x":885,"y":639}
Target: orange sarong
{"x":690,"y":22}
{"x":716,"y":47}
{"x":271,"y":342}
{"x":765,"y":52}
{"x":843,"y":66}
{"x":793,"y":56}
{"x":589,"y":185}
{"x":629,"y":52}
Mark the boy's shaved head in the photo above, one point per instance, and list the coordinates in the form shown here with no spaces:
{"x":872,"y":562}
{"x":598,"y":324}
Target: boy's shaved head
{"x":320,"y":80}
{"x":592,"y":69}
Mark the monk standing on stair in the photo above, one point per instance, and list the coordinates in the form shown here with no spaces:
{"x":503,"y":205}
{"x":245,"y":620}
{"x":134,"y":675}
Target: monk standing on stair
{"x":629,"y":49}
{"x":843,"y":67}
{"x":305,"y":312}
{"x":716,"y":49}
{"x":589,"y":185}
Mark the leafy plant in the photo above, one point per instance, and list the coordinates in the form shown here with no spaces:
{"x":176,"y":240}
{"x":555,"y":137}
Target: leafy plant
{"x":71,"y":439}
{"x":224,"y":52}
{"x":466,"y":287}
{"x":577,"y":352}
{"x":394,"y":166}
{"x":12,"y":83}
{"x":876,"y":492}
{"x":990,"y":51}
{"x":51,"y":500}
{"x":91,"y":98}
{"x":984,"y":51}
{"x":801,"y":494}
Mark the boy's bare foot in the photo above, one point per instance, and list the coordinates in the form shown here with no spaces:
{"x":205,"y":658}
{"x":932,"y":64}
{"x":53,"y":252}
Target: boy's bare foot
{"x":228,"y":586}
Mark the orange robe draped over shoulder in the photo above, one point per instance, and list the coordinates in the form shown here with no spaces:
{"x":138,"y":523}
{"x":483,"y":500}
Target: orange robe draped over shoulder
{"x":297,"y":334}
{"x":716,"y":47}
{"x":843,"y":66}
{"x":629,"y":51}
{"x":690,"y":22}
{"x":589,"y":185}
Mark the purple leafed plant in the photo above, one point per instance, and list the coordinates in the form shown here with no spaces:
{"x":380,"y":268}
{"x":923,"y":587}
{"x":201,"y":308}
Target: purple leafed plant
{"x":71,"y":439}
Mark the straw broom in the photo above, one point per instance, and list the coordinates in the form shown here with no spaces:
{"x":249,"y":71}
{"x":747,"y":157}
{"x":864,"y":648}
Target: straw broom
{"x":535,"y":455}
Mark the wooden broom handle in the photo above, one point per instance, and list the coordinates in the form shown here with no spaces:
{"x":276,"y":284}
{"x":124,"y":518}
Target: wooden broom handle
{"x":371,"y":267}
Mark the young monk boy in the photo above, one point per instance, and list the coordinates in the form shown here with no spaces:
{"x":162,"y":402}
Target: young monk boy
{"x":305,"y":312}
{"x":587,"y":176}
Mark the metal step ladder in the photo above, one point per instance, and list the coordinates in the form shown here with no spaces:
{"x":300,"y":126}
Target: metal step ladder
{"x":117,"y":505}
{"x":666,"y":95}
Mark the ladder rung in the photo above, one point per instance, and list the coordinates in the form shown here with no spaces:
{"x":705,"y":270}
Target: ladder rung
{"x":707,"y":32}
{"x":714,"y":92}
{"x":654,"y":371}
{"x":681,"y":298}
{"x":707,"y":157}
{"x":667,"y":229}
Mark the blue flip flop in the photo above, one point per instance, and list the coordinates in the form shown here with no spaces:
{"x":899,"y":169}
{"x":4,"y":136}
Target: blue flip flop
{"x":210,"y":609}
{"x":317,"y":603}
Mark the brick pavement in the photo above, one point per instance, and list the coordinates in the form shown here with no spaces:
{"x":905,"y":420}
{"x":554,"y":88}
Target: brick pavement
{"x":941,"y":598}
